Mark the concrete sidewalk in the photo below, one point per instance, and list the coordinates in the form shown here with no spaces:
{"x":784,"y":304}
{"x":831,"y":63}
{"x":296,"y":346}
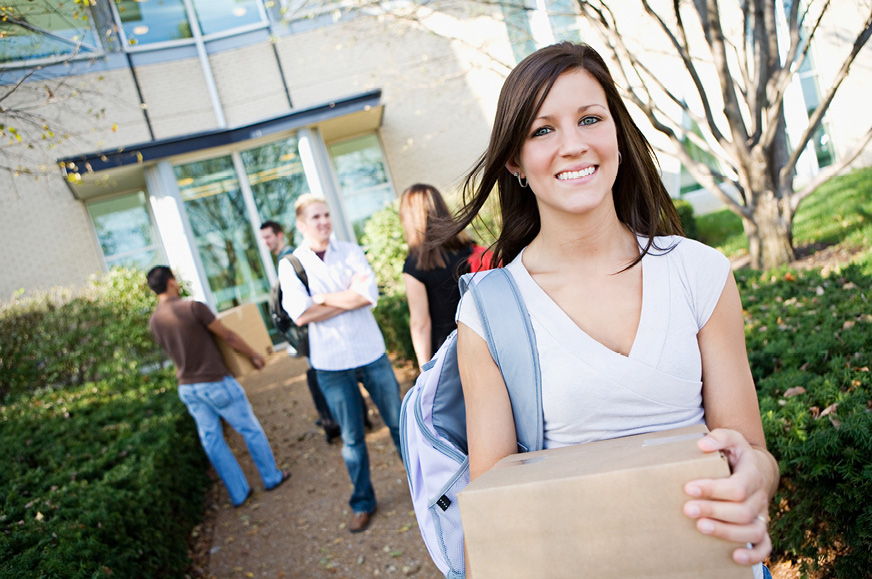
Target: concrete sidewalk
{"x":298,"y":530}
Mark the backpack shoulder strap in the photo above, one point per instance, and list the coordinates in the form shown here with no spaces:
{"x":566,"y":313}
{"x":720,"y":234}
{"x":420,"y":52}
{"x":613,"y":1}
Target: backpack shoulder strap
{"x":512,"y":344}
{"x":299,"y":270}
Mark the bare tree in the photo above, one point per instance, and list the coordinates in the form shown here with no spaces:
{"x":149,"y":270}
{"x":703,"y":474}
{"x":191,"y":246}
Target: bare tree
{"x":738,"y":57}
{"x":754,"y":60}
{"x":41,"y":112}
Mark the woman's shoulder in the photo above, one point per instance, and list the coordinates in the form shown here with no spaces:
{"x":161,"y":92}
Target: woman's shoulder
{"x":684,"y":249}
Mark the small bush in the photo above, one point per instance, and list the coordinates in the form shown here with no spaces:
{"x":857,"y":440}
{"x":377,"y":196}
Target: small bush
{"x":103,"y":474}
{"x":688,"y":221}
{"x":810,"y":346}
{"x":66,"y":338}
{"x":386,"y":251}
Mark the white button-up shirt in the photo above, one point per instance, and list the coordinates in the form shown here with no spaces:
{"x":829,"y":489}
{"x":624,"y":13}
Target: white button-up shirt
{"x":348,"y":340}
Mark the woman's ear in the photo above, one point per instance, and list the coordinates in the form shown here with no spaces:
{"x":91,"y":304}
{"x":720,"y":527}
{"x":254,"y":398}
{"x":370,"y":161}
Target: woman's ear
{"x":513,"y":168}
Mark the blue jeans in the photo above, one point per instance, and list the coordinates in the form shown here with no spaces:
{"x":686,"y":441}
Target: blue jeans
{"x":344,"y":400}
{"x":208,"y":403}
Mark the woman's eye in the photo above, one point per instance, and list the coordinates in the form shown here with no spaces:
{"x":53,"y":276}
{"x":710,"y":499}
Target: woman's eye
{"x":589,"y":120}
{"x":541,"y":131}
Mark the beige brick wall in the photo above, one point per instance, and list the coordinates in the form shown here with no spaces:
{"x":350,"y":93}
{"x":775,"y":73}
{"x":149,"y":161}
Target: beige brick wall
{"x":439,"y":94}
{"x":177,"y":98}
{"x":249,"y":84}
{"x":46,"y":236}
{"x":45,"y":232}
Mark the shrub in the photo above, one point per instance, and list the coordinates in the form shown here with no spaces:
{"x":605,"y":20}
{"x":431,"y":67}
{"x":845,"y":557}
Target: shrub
{"x":66,"y":338}
{"x":810,"y":342}
{"x":104,"y":479}
{"x":102,"y":472}
{"x":386,"y":250}
{"x":688,"y":221}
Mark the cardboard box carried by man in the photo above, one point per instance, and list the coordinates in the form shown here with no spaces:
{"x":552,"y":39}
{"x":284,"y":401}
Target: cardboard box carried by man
{"x":603,"y":509}
{"x":246,"y":321}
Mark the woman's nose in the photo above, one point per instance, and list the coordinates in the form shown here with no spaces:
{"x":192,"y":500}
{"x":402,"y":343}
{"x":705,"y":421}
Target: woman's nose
{"x":573,"y":142}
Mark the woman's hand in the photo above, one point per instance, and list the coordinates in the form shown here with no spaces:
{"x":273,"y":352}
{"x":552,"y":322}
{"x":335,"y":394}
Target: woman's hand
{"x":735,"y":508}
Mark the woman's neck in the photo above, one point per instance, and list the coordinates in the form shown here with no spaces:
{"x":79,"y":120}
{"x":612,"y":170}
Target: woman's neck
{"x":585,"y":240}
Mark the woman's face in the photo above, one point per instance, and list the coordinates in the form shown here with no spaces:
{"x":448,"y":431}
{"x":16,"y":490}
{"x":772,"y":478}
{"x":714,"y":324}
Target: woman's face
{"x":570,"y":155}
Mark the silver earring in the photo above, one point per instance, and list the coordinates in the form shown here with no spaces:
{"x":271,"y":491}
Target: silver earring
{"x":619,"y":158}
{"x":521,"y":180}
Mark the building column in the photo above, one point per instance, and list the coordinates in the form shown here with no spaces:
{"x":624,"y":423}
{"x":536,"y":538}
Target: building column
{"x":175,"y":230}
{"x":322,"y":179}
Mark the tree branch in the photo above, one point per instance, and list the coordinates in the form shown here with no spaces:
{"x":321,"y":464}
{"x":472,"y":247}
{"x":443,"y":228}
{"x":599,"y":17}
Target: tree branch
{"x":815,"y":119}
{"x":779,"y":82}
{"x":714,"y":35}
{"x":828,"y":173}
{"x":682,"y":51}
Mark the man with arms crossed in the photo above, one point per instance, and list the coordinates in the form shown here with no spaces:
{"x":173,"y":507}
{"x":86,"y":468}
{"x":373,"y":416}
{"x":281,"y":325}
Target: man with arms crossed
{"x":346,"y":343}
{"x":185,"y":329}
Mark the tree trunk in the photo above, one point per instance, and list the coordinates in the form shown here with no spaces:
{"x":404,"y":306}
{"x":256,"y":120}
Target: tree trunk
{"x":769,"y":231}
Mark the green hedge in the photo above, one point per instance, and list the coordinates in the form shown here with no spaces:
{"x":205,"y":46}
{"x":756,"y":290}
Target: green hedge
{"x":65,"y":338}
{"x":386,"y":250}
{"x":98,"y":480}
{"x":810,"y":346}
{"x":688,"y":220}
{"x":103,"y":474}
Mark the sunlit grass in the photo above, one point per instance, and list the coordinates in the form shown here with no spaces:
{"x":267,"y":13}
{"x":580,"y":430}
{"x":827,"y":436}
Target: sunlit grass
{"x":838,"y":213}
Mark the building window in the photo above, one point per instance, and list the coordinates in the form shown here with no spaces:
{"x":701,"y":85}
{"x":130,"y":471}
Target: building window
{"x":687,"y":183}
{"x":820,"y":141}
{"x":220,"y":15}
{"x":517,"y":19}
{"x":564,"y":20}
{"x":811,"y":94}
{"x":556,"y":20}
{"x":150,"y":21}
{"x":364,"y":183}
{"x":125,"y":231}
{"x":223,"y":233}
{"x":276,"y":176}
{"x":42,"y":29}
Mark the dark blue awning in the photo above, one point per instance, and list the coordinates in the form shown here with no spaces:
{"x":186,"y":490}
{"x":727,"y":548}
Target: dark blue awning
{"x":161,"y":149}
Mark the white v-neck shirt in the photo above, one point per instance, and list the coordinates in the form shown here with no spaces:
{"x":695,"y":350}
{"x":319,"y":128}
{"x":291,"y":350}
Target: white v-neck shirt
{"x":590,"y":392}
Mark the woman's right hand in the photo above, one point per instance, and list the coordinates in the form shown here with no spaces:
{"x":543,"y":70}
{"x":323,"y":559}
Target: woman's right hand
{"x":735,"y":508}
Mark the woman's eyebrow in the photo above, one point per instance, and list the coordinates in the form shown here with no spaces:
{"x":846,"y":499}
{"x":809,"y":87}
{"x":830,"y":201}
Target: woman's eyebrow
{"x":581,"y":109}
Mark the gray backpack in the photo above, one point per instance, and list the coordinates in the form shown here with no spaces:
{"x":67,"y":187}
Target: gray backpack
{"x":433,"y":415}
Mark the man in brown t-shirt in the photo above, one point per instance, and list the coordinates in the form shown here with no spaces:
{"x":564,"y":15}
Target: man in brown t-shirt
{"x":186,"y":330}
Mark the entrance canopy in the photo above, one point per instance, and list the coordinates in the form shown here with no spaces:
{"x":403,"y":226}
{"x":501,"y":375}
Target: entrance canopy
{"x":123,"y":168}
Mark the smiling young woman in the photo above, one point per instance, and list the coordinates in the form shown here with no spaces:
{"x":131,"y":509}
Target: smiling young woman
{"x":637,"y":329}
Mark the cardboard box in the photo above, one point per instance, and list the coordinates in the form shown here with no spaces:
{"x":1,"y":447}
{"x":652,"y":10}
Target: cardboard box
{"x":246,"y":321}
{"x":603,"y":509}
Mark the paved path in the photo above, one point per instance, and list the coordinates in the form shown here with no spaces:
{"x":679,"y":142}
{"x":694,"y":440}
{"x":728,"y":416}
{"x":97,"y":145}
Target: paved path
{"x":298,"y":530}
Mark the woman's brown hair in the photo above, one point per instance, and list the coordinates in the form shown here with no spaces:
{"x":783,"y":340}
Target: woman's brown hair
{"x":641,"y":201}
{"x":421,"y":210}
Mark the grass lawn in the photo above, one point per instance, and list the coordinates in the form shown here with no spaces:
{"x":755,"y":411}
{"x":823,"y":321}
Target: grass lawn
{"x":838,"y":213}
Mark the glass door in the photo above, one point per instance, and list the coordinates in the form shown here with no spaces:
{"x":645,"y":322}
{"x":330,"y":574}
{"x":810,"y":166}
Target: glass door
{"x":276,"y":178}
{"x":222,"y":231}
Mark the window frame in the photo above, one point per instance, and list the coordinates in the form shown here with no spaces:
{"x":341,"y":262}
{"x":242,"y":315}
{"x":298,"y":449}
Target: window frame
{"x":158,"y":240}
{"x":95,"y":51}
